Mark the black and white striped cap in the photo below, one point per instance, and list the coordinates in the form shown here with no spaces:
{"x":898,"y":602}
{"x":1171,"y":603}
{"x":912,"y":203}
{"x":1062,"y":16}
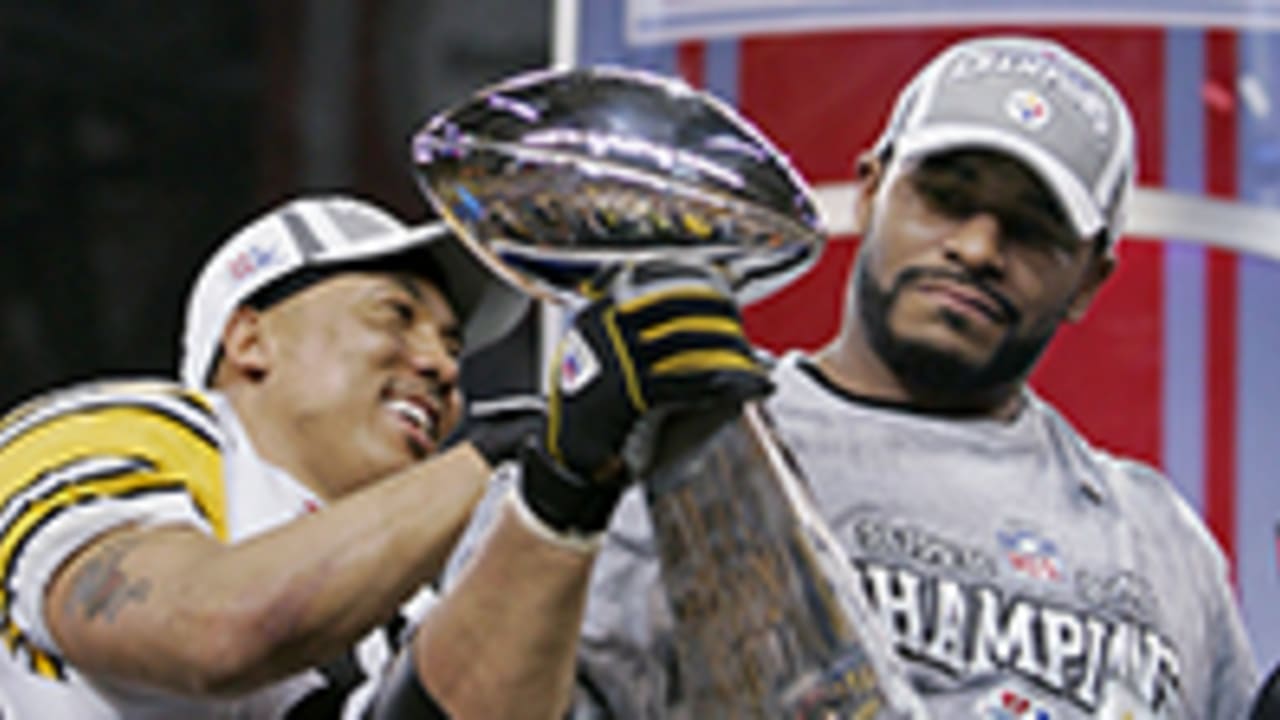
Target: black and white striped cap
{"x":327,"y":231}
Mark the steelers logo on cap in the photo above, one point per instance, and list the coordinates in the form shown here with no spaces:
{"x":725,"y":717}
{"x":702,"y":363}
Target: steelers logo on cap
{"x":1028,"y":108}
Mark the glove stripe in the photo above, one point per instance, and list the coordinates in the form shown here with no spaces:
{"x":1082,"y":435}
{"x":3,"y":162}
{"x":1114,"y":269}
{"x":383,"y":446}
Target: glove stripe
{"x":704,"y":360}
{"x":627,"y":365}
{"x":681,"y":292}
{"x":553,"y":411}
{"x":709,"y":325}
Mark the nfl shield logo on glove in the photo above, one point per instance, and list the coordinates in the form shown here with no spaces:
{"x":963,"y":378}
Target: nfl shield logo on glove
{"x":578,"y":365}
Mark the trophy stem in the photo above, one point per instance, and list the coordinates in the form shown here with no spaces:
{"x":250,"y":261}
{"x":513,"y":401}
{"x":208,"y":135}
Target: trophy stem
{"x":770,"y":621}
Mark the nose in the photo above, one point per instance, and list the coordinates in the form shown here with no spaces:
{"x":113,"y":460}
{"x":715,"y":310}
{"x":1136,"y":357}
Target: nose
{"x":975,"y":243}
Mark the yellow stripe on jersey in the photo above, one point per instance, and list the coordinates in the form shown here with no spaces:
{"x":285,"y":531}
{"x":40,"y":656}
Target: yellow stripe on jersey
{"x":41,"y":511}
{"x":12,"y":636}
{"x":90,"y":392}
{"x":173,"y":453}
{"x":44,"y":664}
{"x":40,"y":662}
{"x":106,"y":441}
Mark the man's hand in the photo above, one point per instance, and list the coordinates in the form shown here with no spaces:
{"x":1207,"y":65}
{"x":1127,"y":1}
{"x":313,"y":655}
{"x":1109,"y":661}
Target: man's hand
{"x":499,"y":428}
{"x":504,"y":404}
{"x":655,"y":336}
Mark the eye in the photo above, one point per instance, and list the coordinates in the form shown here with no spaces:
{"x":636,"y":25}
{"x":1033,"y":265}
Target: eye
{"x":945,"y":197}
{"x":1040,"y":234}
{"x":403,"y":311}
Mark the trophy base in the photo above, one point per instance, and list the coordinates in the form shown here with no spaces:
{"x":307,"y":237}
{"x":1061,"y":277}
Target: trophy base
{"x":768,"y":620}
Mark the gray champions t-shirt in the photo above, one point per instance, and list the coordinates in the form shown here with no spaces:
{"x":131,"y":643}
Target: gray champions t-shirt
{"x":1021,"y":573}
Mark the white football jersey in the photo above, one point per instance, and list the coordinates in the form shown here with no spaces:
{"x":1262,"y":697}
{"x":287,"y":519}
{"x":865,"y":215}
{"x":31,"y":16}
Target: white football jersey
{"x":79,"y":462}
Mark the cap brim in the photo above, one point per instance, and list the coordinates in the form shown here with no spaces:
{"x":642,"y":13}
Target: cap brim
{"x":1079,"y":205}
{"x":488,"y":306}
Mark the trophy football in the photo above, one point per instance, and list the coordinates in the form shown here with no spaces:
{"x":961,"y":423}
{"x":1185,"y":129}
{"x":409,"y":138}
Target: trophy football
{"x":552,"y":175}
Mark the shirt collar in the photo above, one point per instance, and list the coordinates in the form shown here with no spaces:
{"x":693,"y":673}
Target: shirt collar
{"x":239,"y":451}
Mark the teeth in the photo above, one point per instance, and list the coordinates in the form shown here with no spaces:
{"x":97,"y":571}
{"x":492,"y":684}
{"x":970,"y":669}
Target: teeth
{"x":411,"y":412}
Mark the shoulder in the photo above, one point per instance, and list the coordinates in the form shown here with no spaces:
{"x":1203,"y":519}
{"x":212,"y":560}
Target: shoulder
{"x":125,"y":437}
{"x":1149,"y":494}
{"x":77,"y":462}
{"x":1145,"y":496}
{"x":116,"y":440}
{"x":109,"y":403}
{"x":794,"y":377}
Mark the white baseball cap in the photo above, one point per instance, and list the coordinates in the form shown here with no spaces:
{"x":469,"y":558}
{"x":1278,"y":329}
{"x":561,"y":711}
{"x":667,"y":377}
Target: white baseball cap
{"x":329,"y":232}
{"x":1036,"y":101}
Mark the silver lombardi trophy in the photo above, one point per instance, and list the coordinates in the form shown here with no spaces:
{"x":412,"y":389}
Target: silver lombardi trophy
{"x":548,"y":177}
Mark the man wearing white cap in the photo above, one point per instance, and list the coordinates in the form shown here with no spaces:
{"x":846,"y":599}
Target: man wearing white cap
{"x":1020,"y":571}
{"x":254,"y":542}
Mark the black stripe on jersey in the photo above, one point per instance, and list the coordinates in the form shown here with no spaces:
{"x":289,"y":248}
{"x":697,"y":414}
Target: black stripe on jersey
{"x":130,"y":387}
{"x":16,"y":414}
{"x":174,"y":487}
{"x":41,"y":662}
{"x":46,"y":664}
{"x":52,"y":480}
{"x":38,"y":661}
{"x":145,"y":387}
{"x":195,"y":402}
{"x":200,"y":509}
{"x":181,"y":412}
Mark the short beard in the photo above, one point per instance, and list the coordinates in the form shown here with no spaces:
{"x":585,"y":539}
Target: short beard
{"x":933,"y":374}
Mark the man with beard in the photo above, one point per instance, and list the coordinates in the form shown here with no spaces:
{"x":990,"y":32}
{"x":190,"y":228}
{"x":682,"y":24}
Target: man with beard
{"x":1018,"y":570}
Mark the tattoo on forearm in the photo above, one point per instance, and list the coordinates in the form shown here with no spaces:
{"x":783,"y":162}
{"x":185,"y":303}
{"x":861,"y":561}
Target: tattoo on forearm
{"x":102,"y":587}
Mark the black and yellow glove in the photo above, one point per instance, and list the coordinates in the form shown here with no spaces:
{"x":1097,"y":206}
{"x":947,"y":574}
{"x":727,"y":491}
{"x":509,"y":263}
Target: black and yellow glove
{"x":655,"y":335}
{"x":502,"y":386}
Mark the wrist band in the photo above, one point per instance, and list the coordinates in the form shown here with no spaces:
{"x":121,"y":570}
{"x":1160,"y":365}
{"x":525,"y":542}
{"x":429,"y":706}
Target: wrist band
{"x":562,"y":501}
{"x":586,"y":544}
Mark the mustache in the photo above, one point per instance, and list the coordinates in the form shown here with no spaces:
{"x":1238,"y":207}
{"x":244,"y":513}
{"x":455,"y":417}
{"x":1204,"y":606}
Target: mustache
{"x":1008,"y":312}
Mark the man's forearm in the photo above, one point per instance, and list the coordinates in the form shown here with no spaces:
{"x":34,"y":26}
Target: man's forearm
{"x":217,"y":619}
{"x":502,"y":642}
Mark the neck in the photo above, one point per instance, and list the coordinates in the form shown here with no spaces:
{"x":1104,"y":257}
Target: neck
{"x":852,"y":365}
{"x":272,"y":440}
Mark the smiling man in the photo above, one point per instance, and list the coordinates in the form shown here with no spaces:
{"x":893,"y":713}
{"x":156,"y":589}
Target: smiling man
{"x":1018,"y":570}
{"x":222,"y":546}
{"x":259,"y":541}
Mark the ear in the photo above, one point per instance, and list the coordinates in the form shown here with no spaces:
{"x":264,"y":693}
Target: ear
{"x":870,"y":174}
{"x":246,"y":351}
{"x":1099,"y":269}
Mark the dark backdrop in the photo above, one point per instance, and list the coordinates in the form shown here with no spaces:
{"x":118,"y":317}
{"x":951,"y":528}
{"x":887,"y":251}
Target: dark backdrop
{"x":137,"y":134}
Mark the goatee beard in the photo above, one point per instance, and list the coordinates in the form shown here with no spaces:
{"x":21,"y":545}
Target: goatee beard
{"x":929,"y":372}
